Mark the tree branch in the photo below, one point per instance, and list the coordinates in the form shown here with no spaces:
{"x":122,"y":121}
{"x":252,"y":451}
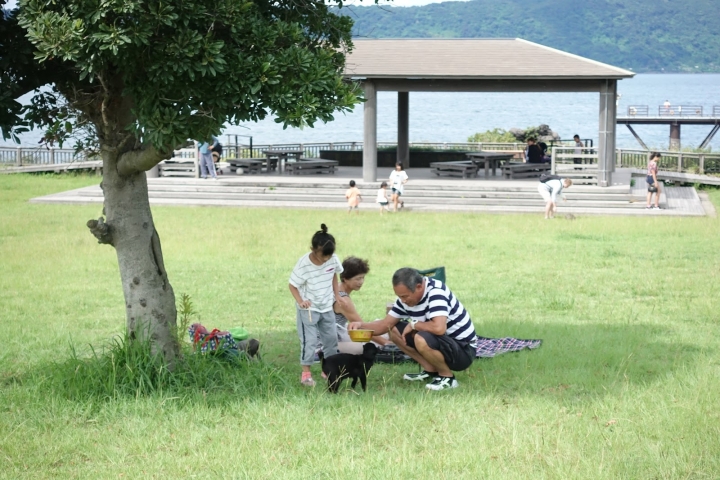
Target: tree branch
{"x":139,"y":160}
{"x":101,"y":230}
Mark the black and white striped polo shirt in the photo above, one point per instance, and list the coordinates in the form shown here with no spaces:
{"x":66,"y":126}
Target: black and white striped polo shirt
{"x":439,"y":301}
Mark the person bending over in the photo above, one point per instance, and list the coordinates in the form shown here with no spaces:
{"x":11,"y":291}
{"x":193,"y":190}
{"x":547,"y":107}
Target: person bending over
{"x":549,"y":190}
{"x":438,"y":333}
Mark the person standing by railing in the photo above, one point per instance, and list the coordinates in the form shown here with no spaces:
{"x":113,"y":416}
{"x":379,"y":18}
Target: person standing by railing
{"x":578,"y":150}
{"x":652,"y":182}
{"x":206,"y":160}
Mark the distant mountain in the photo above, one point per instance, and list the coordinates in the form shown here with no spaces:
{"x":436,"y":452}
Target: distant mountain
{"x":642,"y":35}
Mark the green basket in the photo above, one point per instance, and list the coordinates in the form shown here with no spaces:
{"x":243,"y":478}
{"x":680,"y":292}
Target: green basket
{"x":239,"y":333}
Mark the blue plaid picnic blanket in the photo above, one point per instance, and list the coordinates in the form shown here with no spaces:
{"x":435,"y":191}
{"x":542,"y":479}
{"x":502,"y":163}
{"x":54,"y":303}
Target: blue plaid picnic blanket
{"x":491,"y":347}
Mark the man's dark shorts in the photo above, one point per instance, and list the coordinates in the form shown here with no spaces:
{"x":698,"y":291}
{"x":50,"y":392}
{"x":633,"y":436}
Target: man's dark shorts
{"x":458,"y":355}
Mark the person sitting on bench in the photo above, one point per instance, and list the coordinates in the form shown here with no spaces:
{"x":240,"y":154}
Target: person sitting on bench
{"x":533,"y":153}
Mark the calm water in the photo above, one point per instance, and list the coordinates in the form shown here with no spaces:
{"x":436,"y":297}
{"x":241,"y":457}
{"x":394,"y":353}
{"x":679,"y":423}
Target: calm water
{"x":452,"y":117}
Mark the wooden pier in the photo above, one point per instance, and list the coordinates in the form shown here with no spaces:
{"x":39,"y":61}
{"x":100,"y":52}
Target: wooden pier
{"x":674,"y":116}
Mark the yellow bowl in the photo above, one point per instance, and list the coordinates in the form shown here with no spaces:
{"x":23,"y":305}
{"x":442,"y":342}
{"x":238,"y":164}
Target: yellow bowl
{"x":360,"y":335}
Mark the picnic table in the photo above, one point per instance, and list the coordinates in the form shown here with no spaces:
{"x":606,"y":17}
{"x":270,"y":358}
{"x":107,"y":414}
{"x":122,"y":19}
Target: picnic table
{"x":281,"y":157}
{"x":489,"y":159}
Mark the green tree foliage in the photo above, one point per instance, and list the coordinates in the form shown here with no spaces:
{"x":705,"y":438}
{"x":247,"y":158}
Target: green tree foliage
{"x":643,"y":35}
{"x":137,"y":78}
{"x":19,"y":73}
{"x":181,"y":70}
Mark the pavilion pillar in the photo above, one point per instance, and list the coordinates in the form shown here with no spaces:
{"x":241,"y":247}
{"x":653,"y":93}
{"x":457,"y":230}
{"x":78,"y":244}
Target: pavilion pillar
{"x":370,"y":133}
{"x":674,"y":136}
{"x":606,"y":137}
{"x":403,"y":133}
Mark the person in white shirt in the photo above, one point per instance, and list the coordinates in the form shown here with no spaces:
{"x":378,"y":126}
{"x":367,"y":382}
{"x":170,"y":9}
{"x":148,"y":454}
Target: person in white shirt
{"x":550,"y":187}
{"x":382,"y":197}
{"x":398,"y":178}
{"x":578,"y":150}
{"x":314,"y":286}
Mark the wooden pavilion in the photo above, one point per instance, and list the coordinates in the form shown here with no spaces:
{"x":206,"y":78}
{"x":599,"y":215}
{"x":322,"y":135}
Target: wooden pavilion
{"x":476,"y":65}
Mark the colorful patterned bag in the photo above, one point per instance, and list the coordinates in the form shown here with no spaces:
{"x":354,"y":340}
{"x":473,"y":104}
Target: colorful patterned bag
{"x":214,"y":341}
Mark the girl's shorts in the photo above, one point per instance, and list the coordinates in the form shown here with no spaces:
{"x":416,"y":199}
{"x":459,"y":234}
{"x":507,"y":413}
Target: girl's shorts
{"x":384,"y":204}
{"x":395,"y":190}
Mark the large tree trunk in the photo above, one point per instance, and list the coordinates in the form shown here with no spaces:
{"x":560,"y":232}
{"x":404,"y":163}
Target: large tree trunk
{"x":149,"y":297}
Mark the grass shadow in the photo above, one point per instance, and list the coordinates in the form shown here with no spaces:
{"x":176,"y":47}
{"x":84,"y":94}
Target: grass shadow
{"x":575,"y":363}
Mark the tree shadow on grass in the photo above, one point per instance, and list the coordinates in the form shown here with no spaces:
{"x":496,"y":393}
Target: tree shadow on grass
{"x":575,"y":362}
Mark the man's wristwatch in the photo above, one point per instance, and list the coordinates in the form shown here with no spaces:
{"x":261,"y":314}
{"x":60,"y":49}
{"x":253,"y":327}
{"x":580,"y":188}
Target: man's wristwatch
{"x":412,"y":324}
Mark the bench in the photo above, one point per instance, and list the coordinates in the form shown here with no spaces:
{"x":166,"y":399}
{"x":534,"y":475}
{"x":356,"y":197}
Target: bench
{"x":461,"y":168}
{"x":306,"y":166}
{"x":177,"y":167}
{"x":524,"y":170}
{"x":246,"y":165}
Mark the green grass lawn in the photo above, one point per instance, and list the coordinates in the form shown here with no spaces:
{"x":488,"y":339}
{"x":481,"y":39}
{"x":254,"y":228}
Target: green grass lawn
{"x":626,"y":384}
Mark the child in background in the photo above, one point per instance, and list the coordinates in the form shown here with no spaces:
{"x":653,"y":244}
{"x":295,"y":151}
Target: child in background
{"x":382,"y":197}
{"x":354,"y":197}
{"x":314,"y":286}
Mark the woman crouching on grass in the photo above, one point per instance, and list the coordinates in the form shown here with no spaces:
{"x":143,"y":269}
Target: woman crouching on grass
{"x":352,"y":279}
{"x":314,"y":286}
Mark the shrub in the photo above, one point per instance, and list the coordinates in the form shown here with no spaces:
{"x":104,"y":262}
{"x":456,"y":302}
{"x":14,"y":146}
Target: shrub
{"x":495,"y":135}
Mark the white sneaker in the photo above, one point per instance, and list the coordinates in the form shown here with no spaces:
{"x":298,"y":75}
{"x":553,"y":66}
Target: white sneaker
{"x":442,"y":383}
{"x":414,"y":377}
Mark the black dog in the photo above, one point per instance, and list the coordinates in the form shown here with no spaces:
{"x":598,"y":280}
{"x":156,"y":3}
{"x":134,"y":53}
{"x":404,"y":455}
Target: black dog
{"x":343,"y":365}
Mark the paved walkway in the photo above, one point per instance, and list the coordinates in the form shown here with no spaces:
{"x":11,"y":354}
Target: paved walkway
{"x":424,"y":192}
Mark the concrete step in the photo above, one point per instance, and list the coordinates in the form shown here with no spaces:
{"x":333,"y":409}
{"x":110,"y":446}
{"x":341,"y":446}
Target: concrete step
{"x":215,"y":187}
{"x":339,"y":200}
{"x":418,"y":186}
{"x":564,"y":209}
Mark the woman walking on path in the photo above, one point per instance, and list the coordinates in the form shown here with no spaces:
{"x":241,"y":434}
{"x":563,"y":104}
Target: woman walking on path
{"x":398,"y":178}
{"x":652,"y":183}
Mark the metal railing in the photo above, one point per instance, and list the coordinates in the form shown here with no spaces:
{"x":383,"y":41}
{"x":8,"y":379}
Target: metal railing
{"x":312,"y":150}
{"x":670,"y":161}
{"x":671,"y":111}
{"x":638,"y":111}
{"x":23,"y":156}
{"x":680,"y":111}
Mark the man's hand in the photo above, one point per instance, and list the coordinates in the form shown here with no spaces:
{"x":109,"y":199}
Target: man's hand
{"x":304,"y":304}
{"x":407,"y":332}
{"x":355,"y":326}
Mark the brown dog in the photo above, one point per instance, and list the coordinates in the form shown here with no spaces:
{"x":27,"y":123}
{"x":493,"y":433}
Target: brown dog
{"x":343,"y":365}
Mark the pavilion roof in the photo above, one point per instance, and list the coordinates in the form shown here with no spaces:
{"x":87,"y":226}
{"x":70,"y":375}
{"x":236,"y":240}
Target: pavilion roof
{"x":512,"y":58}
